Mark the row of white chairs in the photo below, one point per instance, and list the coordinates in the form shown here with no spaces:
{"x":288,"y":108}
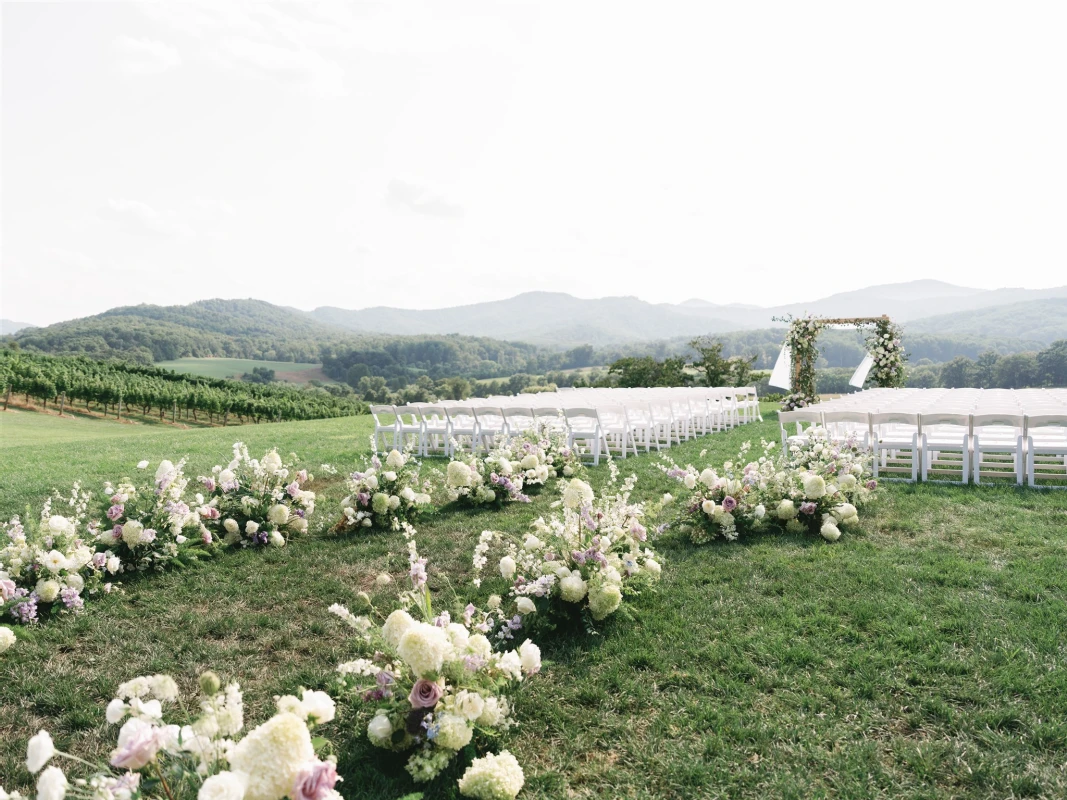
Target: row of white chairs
{"x":940,"y":446}
{"x":611,"y":421}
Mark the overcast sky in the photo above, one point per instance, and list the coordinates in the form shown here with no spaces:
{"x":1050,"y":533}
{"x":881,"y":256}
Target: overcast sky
{"x":435,"y":154}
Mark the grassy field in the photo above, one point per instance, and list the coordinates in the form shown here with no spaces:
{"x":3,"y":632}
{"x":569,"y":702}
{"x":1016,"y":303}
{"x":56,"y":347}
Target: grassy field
{"x":290,"y":371}
{"x":921,"y":656}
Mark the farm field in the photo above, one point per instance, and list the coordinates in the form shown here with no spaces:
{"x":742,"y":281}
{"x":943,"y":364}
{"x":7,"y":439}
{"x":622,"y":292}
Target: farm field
{"x":292,"y":372}
{"x":921,"y":656}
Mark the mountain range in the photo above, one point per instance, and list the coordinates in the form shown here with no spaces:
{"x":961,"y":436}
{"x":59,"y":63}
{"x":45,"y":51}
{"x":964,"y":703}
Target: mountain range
{"x":552,"y":318}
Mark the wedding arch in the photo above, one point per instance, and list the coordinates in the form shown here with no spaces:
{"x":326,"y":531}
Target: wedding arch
{"x":795,"y":368}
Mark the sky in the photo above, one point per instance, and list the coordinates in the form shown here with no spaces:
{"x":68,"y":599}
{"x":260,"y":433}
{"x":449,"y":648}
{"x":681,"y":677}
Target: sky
{"x":434,"y":154}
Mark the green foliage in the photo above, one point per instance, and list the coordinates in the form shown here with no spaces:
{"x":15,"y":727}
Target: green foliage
{"x":635,"y":372}
{"x":1017,"y":371}
{"x":111,"y":383}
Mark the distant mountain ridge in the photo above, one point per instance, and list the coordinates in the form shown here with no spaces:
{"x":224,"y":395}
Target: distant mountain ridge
{"x":554,"y":318}
{"x":10,"y":326}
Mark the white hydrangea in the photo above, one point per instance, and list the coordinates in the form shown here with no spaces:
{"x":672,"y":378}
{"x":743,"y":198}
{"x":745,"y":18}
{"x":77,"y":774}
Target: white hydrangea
{"x":814,"y":486}
{"x":493,"y":778}
{"x":572,"y":588}
{"x":577,"y":493}
{"x":396,"y":625}
{"x":453,"y":732}
{"x":271,"y":755}
{"x":424,"y":648}
{"x":458,"y":474}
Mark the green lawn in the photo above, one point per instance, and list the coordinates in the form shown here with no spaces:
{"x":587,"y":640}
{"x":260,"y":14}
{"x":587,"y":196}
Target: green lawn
{"x":295,"y":372}
{"x":921,"y":656}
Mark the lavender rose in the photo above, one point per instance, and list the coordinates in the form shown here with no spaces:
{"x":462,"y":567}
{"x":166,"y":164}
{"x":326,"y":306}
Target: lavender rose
{"x":728,"y":504}
{"x":425,"y":694}
{"x":314,"y":781}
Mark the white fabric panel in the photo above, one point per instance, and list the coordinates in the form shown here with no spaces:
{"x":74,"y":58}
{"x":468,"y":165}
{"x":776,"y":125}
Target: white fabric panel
{"x":782,"y":375}
{"x":860,"y":375}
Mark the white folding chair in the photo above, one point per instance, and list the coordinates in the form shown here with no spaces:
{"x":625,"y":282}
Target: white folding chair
{"x":797,"y":418}
{"x":408,"y":425}
{"x":518,"y":420}
{"x":895,"y":441}
{"x":1046,"y":450}
{"x":616,"y":430}
{"x":584,"y":425}
{"x":946,"y":446}
{"x":435,"y":429}
{"x":382,"y":429}
{"x":843,"y":424}
{"x":997,"y":446}
{"x":491,"y":425}
{"x":461,"y":422}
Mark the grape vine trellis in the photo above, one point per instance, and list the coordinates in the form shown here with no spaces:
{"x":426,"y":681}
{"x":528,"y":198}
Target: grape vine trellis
{"x":884,"y":344}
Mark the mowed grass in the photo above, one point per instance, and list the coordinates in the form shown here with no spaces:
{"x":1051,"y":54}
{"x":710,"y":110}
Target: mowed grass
{"x":293,"y":372}
{"x":921,"y":656}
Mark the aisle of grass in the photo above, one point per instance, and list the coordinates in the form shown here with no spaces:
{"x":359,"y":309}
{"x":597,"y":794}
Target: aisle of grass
{"x":921,"y":656}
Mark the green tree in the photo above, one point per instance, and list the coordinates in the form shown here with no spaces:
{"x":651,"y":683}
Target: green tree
{"x":958,"y":373}
{"x":985,"y":369}
{"x":1016,"y":371}
{"x":1052,"y":364}
{"x":717,"y":370}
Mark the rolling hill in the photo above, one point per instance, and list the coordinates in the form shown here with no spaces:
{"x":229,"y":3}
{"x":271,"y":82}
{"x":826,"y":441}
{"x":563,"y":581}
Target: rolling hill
{"x":552,"y":318}
{"x":1040,"y":320}
{"x":10,"y":326}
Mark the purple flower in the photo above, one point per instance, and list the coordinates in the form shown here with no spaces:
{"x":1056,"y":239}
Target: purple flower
{"x":807,"y":508}
{"x":293,"y":489}
{"x":314,"y":781}
{"x":728,"y":504}
{"x":209,"y":483}
{"x":26,"y":612}
{"x":425,"y":694}
{"x":71,"y":599}
{"x":114,"y":512}
{"x":99,"y":560}
{"x":872,"y":484}
{"x":116,"y":532}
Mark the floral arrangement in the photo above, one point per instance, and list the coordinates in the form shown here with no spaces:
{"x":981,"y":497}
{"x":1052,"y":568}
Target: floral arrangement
{"x":258,"y":502}
{"x":474,"y":481}
{"x":383,"y":496}
{"x":884,"y":345}
{"x":583,"y":560}
{"x":48,"y":566}
{"x":148,"y":527}
{"x":801,"y":341}
{"x":206,"y":756}
{"x":554,"y":457}
{"x":526,"y":456}
{"x":431,"y":684}
{"x":815,"y":487}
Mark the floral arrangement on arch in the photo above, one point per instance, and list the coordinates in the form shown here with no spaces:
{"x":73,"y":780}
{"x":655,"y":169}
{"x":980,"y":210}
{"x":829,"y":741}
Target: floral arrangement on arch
{"x":384,"y":495}
{"x":884,"y":343}
{"x":259,"y":502}
{"x":153,"y":525}
{"x":431,"y":683}
{"x":205,"y":756}
{"x":48,"y":566}
{"x":815,"y":486}
{"x":582,"y":561}
{"x":801,"y":341}
{"x":474,"y":481}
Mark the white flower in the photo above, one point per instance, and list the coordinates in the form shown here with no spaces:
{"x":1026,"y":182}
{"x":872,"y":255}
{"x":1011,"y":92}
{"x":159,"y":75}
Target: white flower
{"x":224,"y":786}
{"x":389,"y":475}
{"x":479,"y":645}
{"x":39,"y":751}
{"x":531,"y":542}
{"x":572,"y":588}
{"x":371,"y":481}
{"x":408,"y":494}
{"x":47,"y":591}
{"x":469,"y":705}
{"x":458,"y":635}
{"x":531,"y":657}
{"x":667,"y":498}
{"x":511,"y":664}
{"x":458,"y":474}
{"x":132,"y":533}
{"x":507,"y":567}
{"x":525,"y":605}
{"x":231,"y":526}
{"x":116,"y":710}
{"x":164,"y":470}
{"x":653,"y":567}
{"x":272,"y":462}
{"x":830,"y":532}
{"x":690,"y":481}
{"x":142,"y":464}
{"x":318,"y":706}
{"x":52,"y":785}
{"x":271,"y":755}
{"x":380,"y":730}
{"x":227,"y":476}
{"x":577,"y":493}
{"x":58,"y":524}
{"x":786,"y":510}
{"x":54,"y":561}
{"x":424,"y":648}
{"x":814,"y":486}
{"x":7,"y":639}
{"x":114,"y":564}
{"x":251,"y":527}
{"x":453,"y":732}
{"x":492,"y":778}
{"x":395,"y":459}
{"x":396,"y":624}
{"x":605,"y":601}
{"x":276,"y":539}
{"x":496,"y":708}
{"x":708,"y":477}
{"x":278,"y":514}
{"x":708,"y":507}
{"x":529,"y":462}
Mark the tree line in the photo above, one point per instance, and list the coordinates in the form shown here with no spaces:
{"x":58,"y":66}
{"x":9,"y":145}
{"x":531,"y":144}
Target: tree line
{"x":114,"y":386}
